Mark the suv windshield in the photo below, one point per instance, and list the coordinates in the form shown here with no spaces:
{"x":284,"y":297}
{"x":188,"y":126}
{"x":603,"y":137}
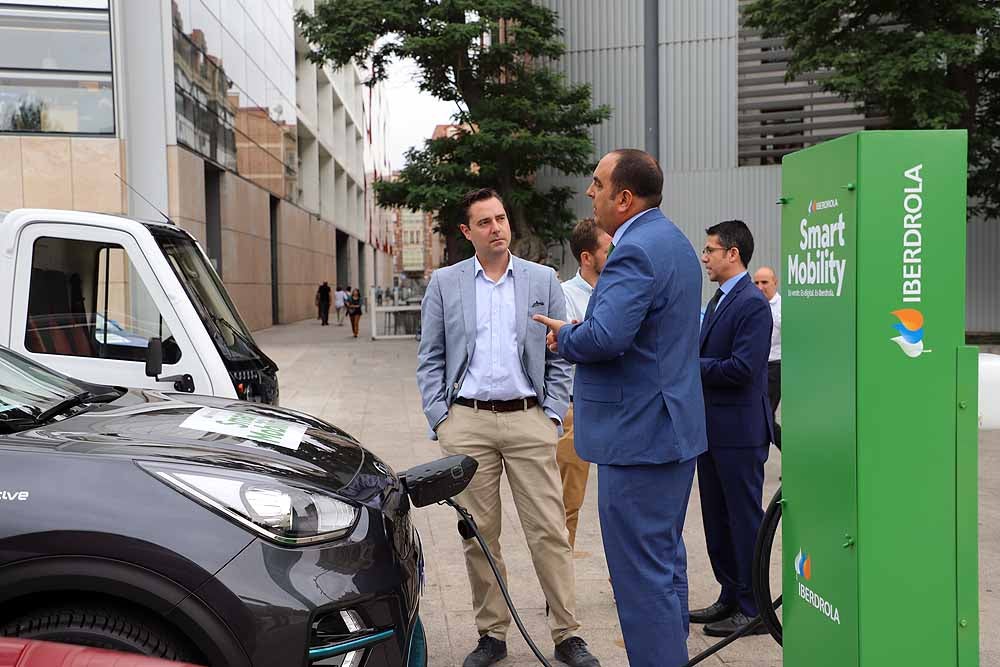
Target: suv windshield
{"x":205,"y":290}
{"x":28,"y":389}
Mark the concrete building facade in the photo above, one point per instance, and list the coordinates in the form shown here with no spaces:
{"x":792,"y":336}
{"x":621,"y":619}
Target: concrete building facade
{"x":708,"y":98}
{"x":211,"y":112}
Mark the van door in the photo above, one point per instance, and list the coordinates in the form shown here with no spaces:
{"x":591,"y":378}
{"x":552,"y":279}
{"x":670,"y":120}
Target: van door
{"x":86,"y":303}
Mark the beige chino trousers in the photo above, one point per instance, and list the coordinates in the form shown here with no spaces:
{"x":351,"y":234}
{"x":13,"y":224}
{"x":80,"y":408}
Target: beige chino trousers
{"x":522,"y":443}
{"x":574,"y":472}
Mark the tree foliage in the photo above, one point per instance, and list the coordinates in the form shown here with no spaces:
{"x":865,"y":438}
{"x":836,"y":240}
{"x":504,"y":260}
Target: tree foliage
{"x":515,"y":114}
{"x":926,"y":64}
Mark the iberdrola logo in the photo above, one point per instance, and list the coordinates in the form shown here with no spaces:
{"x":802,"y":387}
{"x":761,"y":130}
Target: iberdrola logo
{"x":803,"y":566}
{"x":818,"y":205}
{"x":911,"y":331}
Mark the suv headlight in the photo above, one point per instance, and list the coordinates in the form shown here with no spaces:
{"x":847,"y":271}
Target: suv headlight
{"x":288,"y":514}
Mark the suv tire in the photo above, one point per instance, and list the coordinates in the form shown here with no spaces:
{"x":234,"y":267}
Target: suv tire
{"x":101,"y":625}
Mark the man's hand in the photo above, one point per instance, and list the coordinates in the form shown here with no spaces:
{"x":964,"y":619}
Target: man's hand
{"x":552,"y":339}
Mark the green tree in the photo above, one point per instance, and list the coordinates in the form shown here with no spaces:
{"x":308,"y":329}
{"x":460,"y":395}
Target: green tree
{"x":516,"y":115}
{"x":926,"y":64}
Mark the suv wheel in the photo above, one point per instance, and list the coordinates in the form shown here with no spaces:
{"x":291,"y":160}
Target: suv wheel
{"x":101,"y":626}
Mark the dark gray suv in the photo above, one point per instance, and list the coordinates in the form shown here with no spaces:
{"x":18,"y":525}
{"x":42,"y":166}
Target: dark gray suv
{"x":207,"y":530}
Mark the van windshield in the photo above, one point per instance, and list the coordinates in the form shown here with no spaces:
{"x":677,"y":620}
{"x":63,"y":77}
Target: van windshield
{"x":205,"y":289}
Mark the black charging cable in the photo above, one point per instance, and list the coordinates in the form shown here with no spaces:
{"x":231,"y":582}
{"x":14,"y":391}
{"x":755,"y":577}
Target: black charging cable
{"x":468,"y":529}
{"x":762,"y":568}
{"x":761,"y":580}
{"x":761,"y":585}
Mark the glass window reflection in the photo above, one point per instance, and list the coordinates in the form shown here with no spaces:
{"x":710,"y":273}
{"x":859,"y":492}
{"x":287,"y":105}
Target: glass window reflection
{"x":234,"y":20}
{"x":234,"y":89}
{"x":60,"y":70}
{"x":42,"y":102}
{"x":55,"y":39}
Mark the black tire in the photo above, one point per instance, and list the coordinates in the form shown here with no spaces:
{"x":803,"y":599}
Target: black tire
{"x":102,"y":625}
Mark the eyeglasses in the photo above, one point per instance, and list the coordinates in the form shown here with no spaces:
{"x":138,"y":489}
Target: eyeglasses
{"x":708,"y":250}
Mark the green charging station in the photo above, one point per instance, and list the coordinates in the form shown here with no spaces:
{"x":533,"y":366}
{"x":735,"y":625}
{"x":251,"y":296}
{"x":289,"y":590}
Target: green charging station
{"x":879,"y":519}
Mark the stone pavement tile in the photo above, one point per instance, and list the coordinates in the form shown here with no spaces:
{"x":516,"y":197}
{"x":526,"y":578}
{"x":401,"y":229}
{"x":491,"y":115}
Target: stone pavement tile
{"x":369,"y":389}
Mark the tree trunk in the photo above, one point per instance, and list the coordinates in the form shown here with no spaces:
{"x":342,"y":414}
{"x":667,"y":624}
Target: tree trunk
{"x":525,"y":243}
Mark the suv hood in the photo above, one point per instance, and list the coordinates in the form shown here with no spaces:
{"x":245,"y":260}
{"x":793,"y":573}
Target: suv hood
{"x":181,"y":428}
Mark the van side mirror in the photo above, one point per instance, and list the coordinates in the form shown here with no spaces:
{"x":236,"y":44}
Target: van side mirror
{"x":154,"y":366}
{"x":154,"y":358}
{"x":438,"y":480}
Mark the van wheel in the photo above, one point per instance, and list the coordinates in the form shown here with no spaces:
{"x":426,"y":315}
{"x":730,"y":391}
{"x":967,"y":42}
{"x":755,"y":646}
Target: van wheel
{"x":101,"y":626}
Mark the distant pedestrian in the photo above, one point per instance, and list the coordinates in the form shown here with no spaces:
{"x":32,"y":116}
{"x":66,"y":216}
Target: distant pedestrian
{"x":323,"y":301}
{"x":339,"y":302}
{"x":767,"y":282}
{"x":354,"y":309}
{"x":378,"y":296}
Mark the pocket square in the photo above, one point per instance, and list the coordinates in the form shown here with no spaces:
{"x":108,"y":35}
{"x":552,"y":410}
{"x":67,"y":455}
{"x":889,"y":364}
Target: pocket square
{"x":538,"y":303}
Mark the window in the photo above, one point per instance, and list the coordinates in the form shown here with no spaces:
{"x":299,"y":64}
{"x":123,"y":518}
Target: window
{"x":56,"y":103}
{"x":56,"y":73}
{"x":87,"y":300}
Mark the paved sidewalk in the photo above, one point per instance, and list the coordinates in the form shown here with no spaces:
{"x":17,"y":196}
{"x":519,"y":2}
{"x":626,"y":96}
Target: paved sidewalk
{"x":368,"y":389}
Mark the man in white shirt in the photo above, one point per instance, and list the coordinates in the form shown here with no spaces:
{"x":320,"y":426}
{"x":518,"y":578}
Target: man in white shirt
{"x":589,"y":244}
{"x":339,"y":299}
{"x":767,"y":282}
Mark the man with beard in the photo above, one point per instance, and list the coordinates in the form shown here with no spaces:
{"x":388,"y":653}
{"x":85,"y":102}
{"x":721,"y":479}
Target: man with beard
{"x":638,"y":402}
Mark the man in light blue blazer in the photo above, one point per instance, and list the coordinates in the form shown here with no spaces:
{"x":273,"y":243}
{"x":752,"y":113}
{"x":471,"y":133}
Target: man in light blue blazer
{"x":491,"y":390}
{"x":638,"y":402}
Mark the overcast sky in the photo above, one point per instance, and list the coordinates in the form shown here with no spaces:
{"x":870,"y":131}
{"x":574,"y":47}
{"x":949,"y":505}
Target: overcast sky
{"x":412,"y":114}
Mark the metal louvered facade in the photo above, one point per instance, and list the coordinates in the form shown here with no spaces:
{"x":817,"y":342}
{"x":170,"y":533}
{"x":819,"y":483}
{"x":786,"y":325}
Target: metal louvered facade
{"x":724,"y":120}
{"x":778,"y":117}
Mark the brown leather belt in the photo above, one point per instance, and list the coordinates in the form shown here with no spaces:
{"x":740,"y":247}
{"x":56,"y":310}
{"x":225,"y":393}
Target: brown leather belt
{"x":512,"y":405}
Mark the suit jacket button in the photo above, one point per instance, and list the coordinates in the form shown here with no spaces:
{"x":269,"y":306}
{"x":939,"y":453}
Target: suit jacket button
{"x":455,"y":385}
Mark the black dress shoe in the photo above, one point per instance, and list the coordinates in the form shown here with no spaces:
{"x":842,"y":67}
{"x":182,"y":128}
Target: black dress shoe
{"x":737,"y":621}
{"x":488,"y":651}
{"x":574,"y":652}
{"x":712,"y":613}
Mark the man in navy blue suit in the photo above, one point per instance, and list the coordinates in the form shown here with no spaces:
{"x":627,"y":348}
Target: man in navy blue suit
{"x":638,"y":402}
{"x":735,"y":341}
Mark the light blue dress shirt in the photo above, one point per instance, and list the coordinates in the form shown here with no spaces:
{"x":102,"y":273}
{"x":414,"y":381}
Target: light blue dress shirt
{"x":495,"y":371}
{"x":728,"y":286}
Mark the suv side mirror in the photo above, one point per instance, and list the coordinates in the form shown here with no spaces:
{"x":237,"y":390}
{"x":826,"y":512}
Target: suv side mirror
{"x":438,"y":480}
{"x":154,"y":358}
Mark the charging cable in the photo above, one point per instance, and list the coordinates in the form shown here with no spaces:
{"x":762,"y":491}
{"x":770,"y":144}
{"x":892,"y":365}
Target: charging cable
{"x":468,"y":529}
{"x":761,"y":580}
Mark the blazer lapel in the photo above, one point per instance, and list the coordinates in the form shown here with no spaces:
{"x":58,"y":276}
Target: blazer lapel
{"x":522,"y":288}
{"x":737,"y":288}
{"x":467,"y":288}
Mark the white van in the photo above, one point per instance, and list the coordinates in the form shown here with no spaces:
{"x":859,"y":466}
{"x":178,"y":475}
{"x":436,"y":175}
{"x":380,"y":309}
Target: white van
{"x":110,"y":299}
